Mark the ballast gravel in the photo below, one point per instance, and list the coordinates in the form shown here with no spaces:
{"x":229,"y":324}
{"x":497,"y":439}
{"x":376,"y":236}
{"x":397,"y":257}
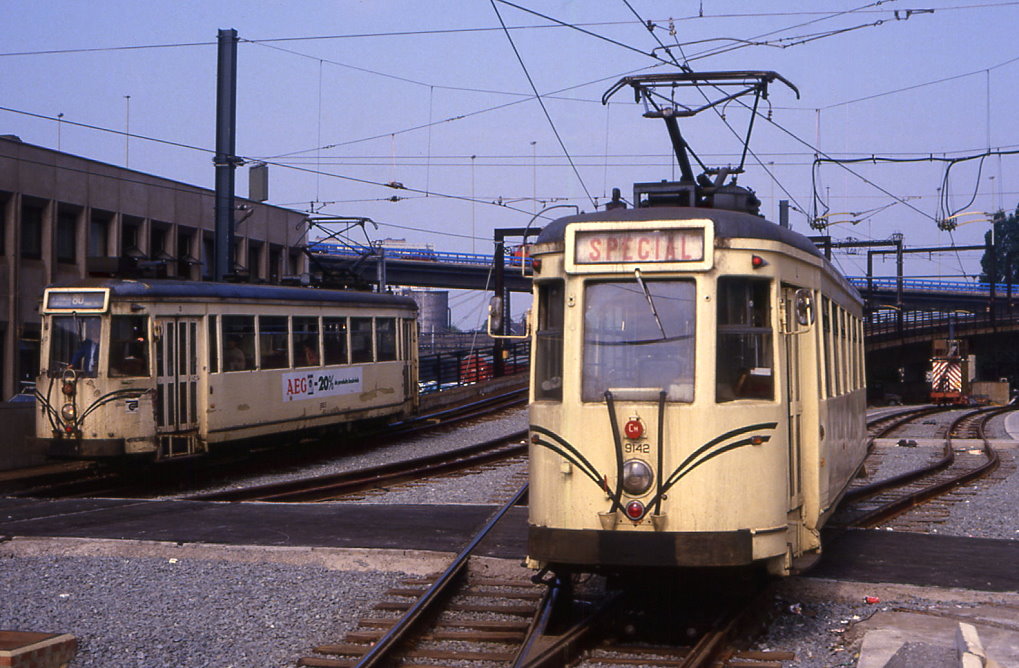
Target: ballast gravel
{"x":152,"y":612}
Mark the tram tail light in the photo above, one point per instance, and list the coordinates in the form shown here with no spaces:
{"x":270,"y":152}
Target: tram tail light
{"x":635,"y":510}
{"x":756,"y":261}
{"x":68,"y":389}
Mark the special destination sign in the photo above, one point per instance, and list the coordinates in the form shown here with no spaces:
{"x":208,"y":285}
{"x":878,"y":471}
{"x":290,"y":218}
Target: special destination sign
{"x":314,"y":383}
{"x":629,"y":246}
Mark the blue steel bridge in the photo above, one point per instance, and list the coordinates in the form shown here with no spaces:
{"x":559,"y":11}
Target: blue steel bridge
{"x":903,"y":315}
{"x":907,"y":303}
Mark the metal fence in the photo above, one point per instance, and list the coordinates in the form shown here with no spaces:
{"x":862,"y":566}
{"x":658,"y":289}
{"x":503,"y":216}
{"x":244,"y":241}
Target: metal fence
{"x":441,"y":371}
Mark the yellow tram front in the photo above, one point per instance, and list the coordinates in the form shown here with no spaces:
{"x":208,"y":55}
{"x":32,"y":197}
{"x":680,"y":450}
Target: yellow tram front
{"x":666,"y":384}
{"x":95,"y":390}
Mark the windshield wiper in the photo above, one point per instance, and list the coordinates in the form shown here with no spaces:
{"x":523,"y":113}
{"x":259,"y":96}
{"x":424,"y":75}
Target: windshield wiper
{"x":650,"y":301}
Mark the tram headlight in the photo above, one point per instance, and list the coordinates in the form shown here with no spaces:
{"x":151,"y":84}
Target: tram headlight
{"x":637,"y":477}
{"x":68,"y":412}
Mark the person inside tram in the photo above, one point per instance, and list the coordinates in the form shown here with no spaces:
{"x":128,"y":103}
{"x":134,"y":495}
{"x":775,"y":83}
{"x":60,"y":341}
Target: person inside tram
{"x":86,"y":357}
{"x":233,"y":356}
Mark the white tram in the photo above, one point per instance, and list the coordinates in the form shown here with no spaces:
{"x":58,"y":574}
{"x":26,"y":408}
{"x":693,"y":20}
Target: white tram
{"x":697,"y":389}
{"x":168,"y":369}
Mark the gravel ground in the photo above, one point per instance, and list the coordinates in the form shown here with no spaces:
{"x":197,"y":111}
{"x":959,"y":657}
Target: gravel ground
{"x":473,"y":431}
{"x":149,"y":612}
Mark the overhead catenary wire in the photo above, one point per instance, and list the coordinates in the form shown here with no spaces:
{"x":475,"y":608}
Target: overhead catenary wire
{"x":537,"y":95}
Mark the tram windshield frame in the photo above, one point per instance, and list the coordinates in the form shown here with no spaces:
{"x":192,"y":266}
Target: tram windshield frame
{"x":639,"y":339}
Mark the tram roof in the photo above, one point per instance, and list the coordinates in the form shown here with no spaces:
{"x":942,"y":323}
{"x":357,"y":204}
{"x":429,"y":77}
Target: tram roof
{"x":168,"y":289}
{"x":728,"y":224}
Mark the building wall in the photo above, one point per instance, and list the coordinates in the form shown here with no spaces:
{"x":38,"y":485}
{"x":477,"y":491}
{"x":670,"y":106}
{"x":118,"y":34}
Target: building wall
{"x":57,"y":210}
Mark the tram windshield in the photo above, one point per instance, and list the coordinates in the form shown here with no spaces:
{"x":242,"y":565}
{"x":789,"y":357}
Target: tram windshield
{"x":74,"y":343}
{"x":639,"y":339}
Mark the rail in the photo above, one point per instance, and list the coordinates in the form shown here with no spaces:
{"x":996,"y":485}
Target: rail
{"x":383,"y":649}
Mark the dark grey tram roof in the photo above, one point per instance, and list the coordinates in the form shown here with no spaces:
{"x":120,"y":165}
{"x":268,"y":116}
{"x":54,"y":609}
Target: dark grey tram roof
{"x":728,"y":224}
{"x":205,"y":290}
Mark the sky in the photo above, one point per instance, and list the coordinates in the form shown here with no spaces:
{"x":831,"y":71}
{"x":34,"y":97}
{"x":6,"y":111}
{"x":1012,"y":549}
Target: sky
{"x":489,"y":111}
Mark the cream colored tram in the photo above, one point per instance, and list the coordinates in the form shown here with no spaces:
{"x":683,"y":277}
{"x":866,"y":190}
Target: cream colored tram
{"x":697,"y":394}
{"x":168,"y":369}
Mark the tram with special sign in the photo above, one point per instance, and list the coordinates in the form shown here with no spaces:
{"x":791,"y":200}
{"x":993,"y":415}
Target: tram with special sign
{"x":169,"y":369}
{"x":697,"y":388}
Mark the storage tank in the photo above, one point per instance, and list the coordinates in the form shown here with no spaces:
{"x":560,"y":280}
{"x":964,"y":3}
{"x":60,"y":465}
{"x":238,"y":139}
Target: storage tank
{"x":433,"y":310}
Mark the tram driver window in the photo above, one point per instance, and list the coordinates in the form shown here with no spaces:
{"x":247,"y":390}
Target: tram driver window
{"x":744,"y":367}
{"x":129,"y":345}
{"x":74,"y":343}
{"x":549,"y":342}
{"x":238,"y":342}
{"x":639,"y":339}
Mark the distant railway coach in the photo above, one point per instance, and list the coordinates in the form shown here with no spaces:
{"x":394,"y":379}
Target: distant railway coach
{"x":167,"y":369}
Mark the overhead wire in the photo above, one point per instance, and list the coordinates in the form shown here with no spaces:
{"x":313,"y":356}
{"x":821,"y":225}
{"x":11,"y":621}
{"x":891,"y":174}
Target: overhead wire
{"x":537,"y":95}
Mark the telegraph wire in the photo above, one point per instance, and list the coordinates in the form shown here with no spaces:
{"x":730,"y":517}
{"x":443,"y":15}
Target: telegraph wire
{"x":537,"y":95}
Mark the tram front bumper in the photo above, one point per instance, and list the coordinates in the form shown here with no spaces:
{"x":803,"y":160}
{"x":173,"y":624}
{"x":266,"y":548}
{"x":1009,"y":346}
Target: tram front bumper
{"x":83,"y":448}
{"x":640,"y":548}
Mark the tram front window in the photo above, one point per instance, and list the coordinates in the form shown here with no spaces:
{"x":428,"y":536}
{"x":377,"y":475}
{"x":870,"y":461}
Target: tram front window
{"x":639,"y":339}
{"x":129,"y":345}
{"x":74,"y":343}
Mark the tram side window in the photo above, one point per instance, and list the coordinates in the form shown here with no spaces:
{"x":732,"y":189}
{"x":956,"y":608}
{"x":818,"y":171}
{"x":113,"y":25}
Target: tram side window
{"x":827,"y":346}
{"x":129,"y":345}
{"x":306,"y":352}
{"x":238,"y":342}
{"x":360,"y":340}
{"x":385,"y":339}
{"x":744,"y":368}
{"x":548,"y":355}
{"x":213,"y":345}
{"x":74,"y":343}
{"x":273,"y":341}
{"x":334,"y":340}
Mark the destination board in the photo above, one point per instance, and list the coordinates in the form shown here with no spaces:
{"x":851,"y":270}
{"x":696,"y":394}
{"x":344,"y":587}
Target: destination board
{"x":75,"y":300}
{"x":631,"y":246}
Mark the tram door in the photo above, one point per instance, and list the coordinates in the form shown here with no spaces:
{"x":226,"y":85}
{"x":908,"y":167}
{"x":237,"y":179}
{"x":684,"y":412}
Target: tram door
{"x":794,"y":347}
{"x":177,"y":387}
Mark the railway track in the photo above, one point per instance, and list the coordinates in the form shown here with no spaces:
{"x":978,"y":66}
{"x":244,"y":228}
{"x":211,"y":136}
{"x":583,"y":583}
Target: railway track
{"x":139,"y":480}
{"x":332,"y":486}
{"x":879,"y":502}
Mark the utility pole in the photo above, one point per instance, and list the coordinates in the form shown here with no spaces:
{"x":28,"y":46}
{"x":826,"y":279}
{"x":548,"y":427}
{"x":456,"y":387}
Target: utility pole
{"x":225,"y":161}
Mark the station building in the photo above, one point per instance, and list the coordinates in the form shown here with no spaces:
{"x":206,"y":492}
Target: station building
{"x":62,"y":215}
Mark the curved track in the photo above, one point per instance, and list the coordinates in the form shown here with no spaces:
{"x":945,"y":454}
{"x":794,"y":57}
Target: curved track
{"x":878,"y":502}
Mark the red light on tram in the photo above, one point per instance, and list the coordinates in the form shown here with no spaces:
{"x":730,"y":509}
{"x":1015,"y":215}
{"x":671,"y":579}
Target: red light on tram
{"x":757,"y":261}
{"x":536,"y":265}
{"x":635,"y":510}
{"x":68,"y":389}
{"x":633,"y":429}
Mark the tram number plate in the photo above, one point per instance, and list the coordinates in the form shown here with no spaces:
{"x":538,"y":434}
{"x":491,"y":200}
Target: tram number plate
{"x":614,"y":247}
{"x":634,"y":448}
{"x":131,"y":405}
{"x":321,"y":383}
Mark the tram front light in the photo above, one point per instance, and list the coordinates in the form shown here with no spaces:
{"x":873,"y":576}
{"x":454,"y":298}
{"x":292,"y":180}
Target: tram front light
{"x":637,"y":477}
{"x":68,"y":412}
